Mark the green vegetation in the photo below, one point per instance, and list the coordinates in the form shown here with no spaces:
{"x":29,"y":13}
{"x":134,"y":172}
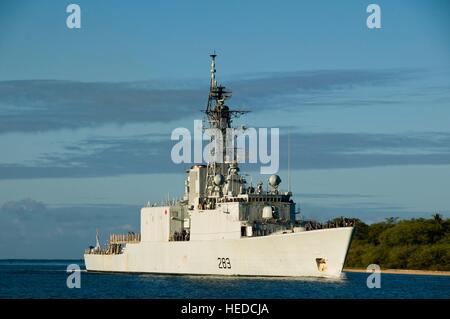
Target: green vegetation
{"x":407,"y":244}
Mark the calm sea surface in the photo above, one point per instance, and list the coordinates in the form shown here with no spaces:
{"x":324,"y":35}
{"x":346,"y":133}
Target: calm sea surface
{"x":47,"y":279}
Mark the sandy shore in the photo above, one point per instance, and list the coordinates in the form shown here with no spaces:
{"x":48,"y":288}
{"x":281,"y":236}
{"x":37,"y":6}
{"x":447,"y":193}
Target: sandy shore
{"x":403,"y":271}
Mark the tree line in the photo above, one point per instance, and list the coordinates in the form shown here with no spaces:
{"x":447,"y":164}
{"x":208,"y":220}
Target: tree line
{"x":402,"y":244}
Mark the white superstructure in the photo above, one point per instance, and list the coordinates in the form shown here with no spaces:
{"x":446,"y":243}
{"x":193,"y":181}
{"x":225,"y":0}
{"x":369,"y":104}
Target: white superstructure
{"x":224,"y":227}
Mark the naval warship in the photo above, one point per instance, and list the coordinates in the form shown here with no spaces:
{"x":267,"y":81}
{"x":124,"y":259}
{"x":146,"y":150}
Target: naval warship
{"x":221,"y":226}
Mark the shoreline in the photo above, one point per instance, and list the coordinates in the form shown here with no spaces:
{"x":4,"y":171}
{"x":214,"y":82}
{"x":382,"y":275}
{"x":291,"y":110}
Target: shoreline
{"x":403,"y":271}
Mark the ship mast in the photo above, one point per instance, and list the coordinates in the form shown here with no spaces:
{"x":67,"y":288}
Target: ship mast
{"x":213,"y":84}
{"x":219,"y":116}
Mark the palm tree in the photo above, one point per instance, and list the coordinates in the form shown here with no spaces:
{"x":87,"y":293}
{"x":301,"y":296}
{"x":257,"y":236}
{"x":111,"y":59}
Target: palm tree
{"x":391,"y":220}
{"x":437,"y":218}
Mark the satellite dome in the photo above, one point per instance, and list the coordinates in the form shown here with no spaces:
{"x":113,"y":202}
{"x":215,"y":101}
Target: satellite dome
{"x":274,"y":180}
{"x":267,"y":212}
{"x":219,"y":180}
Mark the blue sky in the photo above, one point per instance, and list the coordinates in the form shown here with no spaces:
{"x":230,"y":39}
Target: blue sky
{"x":86,"y":115}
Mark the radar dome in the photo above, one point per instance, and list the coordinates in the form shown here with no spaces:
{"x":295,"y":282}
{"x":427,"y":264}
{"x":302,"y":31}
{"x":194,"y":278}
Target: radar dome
{"x":267,"y":212}
{"x":219,"y":180}
{"x":274,"y":180}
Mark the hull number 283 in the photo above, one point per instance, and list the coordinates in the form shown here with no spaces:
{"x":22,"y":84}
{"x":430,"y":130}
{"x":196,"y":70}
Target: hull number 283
{"x":224,"y":263}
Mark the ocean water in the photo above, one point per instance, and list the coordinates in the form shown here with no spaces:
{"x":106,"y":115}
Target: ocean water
{"x":47,"y":279}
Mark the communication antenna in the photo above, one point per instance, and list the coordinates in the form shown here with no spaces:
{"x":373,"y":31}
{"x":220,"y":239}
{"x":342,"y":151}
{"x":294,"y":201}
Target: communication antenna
{"x":97,"y":240}
{"x":289,"y":159}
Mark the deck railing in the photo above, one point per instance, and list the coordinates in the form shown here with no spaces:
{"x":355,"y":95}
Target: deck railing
{"x":115,"y":243}
{"x":124,"y":238}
